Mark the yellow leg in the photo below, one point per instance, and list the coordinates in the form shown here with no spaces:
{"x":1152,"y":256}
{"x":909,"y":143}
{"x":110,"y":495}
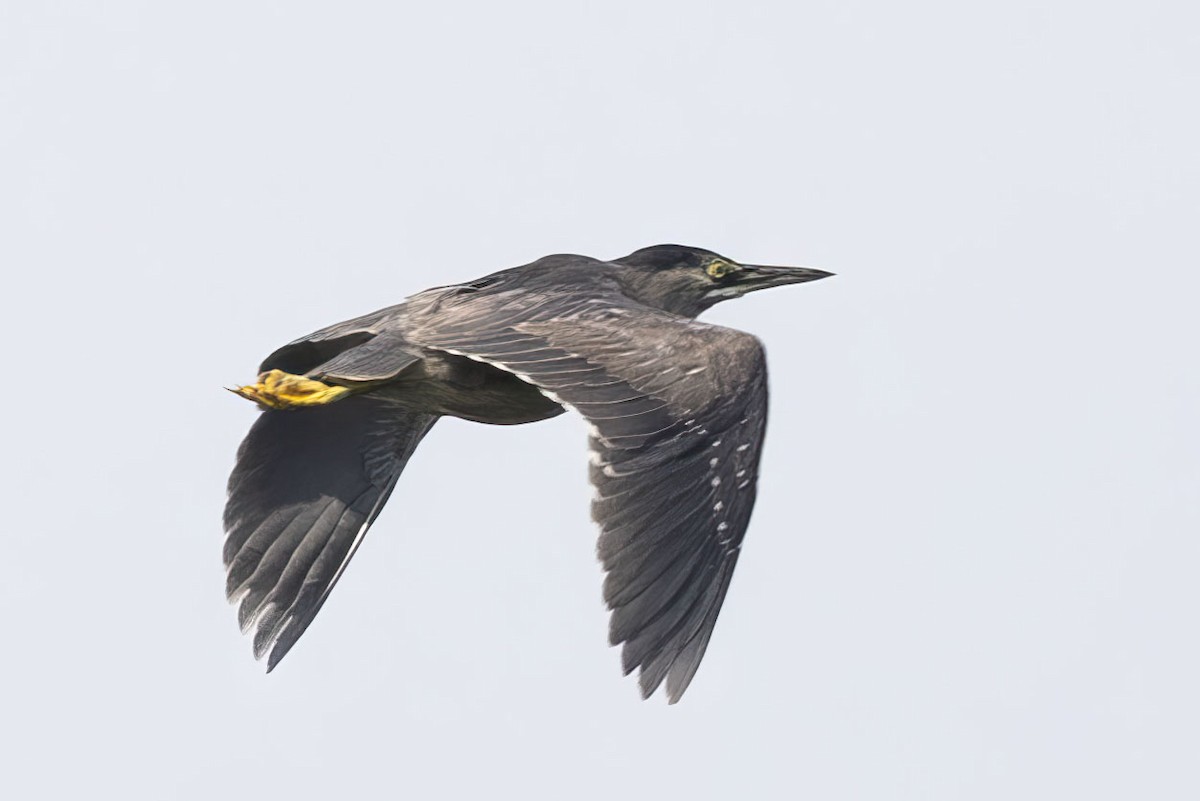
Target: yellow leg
{"x":279,"y":390}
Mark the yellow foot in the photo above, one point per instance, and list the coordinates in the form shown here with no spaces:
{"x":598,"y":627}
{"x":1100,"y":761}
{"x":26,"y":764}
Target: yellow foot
{"x":279,"y":390}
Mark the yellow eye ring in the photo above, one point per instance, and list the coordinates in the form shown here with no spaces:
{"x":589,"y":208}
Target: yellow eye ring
{"x":719,"y":269}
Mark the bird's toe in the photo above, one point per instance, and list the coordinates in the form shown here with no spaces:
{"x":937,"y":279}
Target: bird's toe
{"x":276,"y":389}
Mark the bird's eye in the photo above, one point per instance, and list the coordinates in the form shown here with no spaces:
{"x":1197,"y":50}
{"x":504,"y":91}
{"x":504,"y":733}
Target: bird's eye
{"x":719,"y":269}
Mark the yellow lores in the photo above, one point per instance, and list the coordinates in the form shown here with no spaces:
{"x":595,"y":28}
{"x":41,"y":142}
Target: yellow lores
{"x":279,"y":390}
{"x":719,"y":269}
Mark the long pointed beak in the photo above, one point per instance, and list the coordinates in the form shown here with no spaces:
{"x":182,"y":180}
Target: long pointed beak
{"x":761,"y":276}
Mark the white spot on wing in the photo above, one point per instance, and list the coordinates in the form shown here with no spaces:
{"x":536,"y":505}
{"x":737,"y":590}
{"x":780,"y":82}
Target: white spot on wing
{"x":716,"y":482}
{"x":242,"y":592}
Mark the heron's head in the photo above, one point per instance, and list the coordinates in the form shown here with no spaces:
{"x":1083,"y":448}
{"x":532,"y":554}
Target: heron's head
{"x":686,"y":280}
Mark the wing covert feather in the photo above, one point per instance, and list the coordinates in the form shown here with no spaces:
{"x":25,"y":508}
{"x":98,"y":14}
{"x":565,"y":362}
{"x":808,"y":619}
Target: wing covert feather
{"x":677,"y":412}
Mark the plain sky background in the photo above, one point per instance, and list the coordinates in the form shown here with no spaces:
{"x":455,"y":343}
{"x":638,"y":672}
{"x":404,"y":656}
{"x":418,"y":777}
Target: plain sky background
{"x":972,"y":569}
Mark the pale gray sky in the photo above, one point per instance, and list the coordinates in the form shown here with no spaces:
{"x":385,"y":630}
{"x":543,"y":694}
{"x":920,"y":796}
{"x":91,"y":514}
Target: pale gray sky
{"x":972,"y":569}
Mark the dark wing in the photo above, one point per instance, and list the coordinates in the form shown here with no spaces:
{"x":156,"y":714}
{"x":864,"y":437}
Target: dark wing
{"x":303,"y":354}
{"x":677,"y":412}
{"x":307,"y":485}
{"x":379,"y":359}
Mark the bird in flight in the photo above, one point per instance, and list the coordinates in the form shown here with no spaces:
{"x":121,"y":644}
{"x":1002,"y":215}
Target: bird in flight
{"x":676,"y":411}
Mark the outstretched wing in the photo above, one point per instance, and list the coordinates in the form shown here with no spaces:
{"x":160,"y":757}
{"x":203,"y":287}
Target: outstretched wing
{"x":677,"y":412}
{"x":307,"y":485}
